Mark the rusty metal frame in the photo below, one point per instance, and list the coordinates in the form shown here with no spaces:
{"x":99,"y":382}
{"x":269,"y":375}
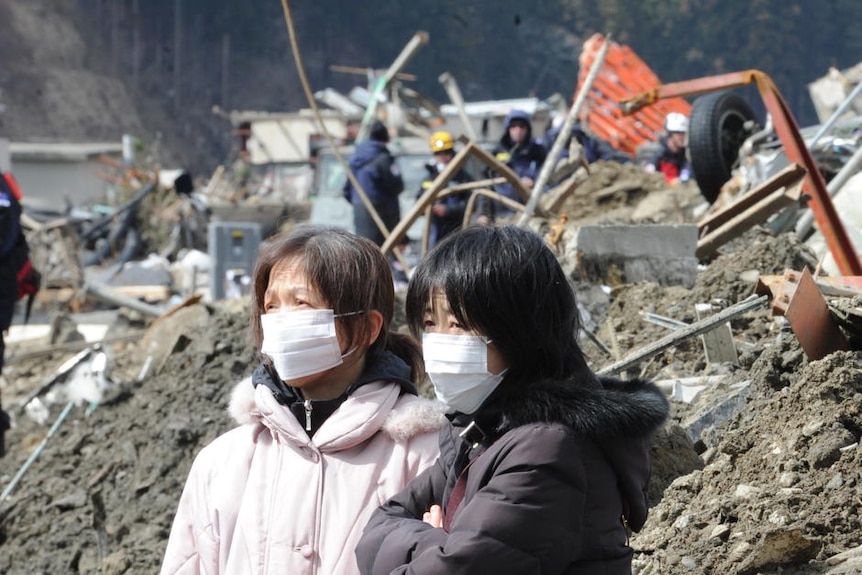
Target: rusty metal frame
{"x":794,"y":146}
{"x":797,"y":297}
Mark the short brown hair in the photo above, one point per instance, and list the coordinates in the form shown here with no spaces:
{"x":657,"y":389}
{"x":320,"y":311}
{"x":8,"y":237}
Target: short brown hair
{"x":349,"y":272}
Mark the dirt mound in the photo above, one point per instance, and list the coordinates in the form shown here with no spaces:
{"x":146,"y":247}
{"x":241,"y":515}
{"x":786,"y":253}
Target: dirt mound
{"x":759,"y":474}
{"x":102,"y":495}
{"x":780,"y":492}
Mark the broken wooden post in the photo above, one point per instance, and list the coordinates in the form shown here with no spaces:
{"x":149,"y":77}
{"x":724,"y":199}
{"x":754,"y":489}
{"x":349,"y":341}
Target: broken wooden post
{"x":467,"y":186}
{"x":454,"y":93}
{"x":115,"y":297}
{"x":418,"y":40}
{"x":560,"y":142}
{"x":718,"y":343}
{"x":471,"y":203}
{"x":440,"y":182}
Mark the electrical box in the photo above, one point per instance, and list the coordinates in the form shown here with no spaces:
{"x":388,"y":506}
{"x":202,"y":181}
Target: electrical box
{"x":233,"y":248}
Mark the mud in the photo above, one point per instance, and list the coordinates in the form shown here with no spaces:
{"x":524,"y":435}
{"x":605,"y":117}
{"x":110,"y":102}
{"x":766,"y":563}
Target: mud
{"x":774,"y":489}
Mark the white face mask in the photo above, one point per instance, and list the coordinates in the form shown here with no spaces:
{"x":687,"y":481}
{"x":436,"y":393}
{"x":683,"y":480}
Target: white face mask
{"x":458,"y":368}
{"x":301,"y":343}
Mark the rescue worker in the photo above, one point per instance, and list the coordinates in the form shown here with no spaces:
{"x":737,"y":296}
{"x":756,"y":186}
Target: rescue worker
{"x":380,"y":178}
{"x":447,"y":213}
{"x":671,"y":160}
{"x":523,"y":154}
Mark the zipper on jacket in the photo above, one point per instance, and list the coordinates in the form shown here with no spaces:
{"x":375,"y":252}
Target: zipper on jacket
{"x":308,"y":415}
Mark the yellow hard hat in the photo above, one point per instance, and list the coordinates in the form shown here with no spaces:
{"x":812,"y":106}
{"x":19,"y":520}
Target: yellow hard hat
{"x":441,"y":141}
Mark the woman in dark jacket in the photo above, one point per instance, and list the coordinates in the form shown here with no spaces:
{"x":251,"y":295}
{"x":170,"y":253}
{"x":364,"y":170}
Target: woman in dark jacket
{"x":545,"y":467}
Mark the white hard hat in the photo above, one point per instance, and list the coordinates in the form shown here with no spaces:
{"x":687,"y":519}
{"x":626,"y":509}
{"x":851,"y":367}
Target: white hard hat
{"x":676,"y":122}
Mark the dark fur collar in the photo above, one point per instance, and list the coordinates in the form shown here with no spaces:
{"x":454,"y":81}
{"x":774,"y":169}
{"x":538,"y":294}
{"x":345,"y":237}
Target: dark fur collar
{"x":615,"y":408}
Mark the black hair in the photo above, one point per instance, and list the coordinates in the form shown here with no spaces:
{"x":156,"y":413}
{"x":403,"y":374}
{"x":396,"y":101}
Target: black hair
{"x":378,"y":131}
{"x":506,"y":284}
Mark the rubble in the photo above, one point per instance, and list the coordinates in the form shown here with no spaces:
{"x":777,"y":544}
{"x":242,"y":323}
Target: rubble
{"x":757,"y":471}
{"x":750,"y":475}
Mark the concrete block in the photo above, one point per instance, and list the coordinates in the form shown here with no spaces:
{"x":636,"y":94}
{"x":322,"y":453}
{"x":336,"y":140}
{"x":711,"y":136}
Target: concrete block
{"x":703,"y":424}
{"x":664,"y":254}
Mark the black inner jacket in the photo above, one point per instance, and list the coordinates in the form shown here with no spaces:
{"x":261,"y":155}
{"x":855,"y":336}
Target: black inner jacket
{"x":311,"y":414}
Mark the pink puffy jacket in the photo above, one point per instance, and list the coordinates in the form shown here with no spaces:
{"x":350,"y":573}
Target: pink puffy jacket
{"x":265,"y":498}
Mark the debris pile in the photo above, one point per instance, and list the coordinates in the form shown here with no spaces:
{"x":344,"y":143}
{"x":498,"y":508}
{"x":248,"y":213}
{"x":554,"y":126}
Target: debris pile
{"x":103,"y":493}
{"x":757,"y":473}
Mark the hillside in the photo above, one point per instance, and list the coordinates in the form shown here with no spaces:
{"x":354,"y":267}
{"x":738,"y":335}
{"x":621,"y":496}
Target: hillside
{"x":49,"y":86}
{"x":95,"y":69}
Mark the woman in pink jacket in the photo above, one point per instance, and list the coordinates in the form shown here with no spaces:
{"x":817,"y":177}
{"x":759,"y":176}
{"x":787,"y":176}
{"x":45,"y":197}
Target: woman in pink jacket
{"x":331,"y":426}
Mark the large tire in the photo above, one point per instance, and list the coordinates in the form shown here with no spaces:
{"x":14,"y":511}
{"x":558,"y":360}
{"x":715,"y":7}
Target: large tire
{"x":716,"y":132}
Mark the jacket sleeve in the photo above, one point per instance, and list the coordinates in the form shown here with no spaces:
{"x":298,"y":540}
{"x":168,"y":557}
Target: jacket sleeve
{"x":193,"y":546}
{"x":539,"y":153}
{"x":527,"y":517}
{"x":10,"y":220}
{"x":387,"y":176}
{"x":396,"y":533}
{"x":456,"y":204}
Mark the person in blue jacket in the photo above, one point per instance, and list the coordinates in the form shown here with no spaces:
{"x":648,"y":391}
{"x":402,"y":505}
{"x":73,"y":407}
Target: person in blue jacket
{"x":523,"y":154}
{"x":378,"y":174}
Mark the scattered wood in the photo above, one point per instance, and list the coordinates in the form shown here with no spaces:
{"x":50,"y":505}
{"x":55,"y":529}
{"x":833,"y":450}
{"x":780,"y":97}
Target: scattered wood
{"x":751,"y":303}
{"x":755,"y":207}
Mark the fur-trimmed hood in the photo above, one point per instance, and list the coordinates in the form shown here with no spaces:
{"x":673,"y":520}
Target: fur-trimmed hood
{"x":614,"y":409}
{"x":410,"y":417}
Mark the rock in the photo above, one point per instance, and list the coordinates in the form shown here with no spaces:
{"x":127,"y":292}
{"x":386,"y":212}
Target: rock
{"x":780,"y":547}
{"x":746,"y":491}
{"x":836,"y":482}
{"x":116,"y":563}
{"x":71,"y":501}
{"x":720,"y":532}
{"x":788,"y":479}
{"x":739,"y":551}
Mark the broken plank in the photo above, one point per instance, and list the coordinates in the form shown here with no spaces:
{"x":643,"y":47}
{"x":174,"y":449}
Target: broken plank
{"x":753,"y":208}
{"x":718,"y":343}
{"x":751,"y":303}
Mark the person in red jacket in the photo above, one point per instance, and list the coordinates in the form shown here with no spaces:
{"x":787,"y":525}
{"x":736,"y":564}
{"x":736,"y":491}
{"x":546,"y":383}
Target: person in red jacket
{"x":11,"y":245}
{"x":672,"y":160}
